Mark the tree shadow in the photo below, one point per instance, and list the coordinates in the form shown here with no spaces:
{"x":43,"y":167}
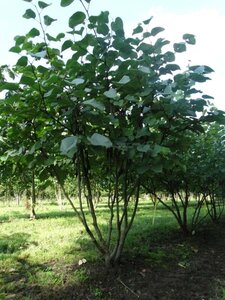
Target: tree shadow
{"x":55,"y":214}
{"x":14,"y":243}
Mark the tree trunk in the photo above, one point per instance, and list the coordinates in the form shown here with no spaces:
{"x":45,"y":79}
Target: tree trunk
{"x":58,"y":193}
{"x":33,"y":197}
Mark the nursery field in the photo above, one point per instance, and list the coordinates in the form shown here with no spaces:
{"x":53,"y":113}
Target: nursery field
{"x":52,"y":258}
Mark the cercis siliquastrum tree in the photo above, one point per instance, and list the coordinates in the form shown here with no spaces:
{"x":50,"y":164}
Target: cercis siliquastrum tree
{"x":104,"y":105}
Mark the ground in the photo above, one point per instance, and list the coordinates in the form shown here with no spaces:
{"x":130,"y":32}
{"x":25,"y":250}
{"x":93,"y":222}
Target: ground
{"x":158,"y":261}
{"x":175,"y":268}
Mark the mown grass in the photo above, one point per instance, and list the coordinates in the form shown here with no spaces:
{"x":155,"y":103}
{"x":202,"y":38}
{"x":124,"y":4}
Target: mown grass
{"x":39,"y":252}
{"x":43,"y":252}
{"x":46,"y":252}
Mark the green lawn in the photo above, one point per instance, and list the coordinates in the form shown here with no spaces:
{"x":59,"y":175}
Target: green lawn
{"x":42,"y":251}
{"x":47,"y":252}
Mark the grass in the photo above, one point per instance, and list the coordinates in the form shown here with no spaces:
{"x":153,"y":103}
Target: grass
{"x":38,"y":252}
{"x":46,"y":252}
{"x":41,"y":252}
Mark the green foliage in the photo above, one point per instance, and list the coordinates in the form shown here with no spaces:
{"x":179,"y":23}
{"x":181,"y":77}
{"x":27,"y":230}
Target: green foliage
{"x":189,"y":38}
{"x":179,"y":47}
{"x":42,"y":4}
{"x":76,"y":19}
{"x":29,"y":14}
{"x":100,"y":140}
{"x":69,"y":146}
{"x":65,"y":3}
{"x":48,"y":20}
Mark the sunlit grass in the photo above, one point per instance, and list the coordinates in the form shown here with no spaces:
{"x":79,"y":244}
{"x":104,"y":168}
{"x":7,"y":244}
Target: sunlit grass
{"x":46,"y":252}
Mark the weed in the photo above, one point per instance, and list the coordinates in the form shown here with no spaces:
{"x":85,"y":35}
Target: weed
{"x":2,"y":296}
{"x":97,"y":292}
{"x":80,"y":275}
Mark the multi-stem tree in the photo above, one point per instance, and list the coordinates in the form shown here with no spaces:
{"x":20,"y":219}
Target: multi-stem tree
{"x":105,"y":110}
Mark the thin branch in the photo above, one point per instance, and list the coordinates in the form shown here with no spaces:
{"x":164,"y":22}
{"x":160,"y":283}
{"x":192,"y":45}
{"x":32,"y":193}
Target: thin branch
{"x":118,"y":279}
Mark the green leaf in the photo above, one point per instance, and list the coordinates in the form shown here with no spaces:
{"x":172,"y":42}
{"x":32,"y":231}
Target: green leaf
{"x":103,"y":29}
{"x":146,"y":22}
{"x":172,"y":67}
{"x":35,"y":147}
{"x":94,"y":103}
{"x":143,"y":169}
{"x":22,"y":61}
{"x":169,"y":56}
{"x":15,"y":49}
{"x":143,"y":148}
{"x":33,"y":33}
{"x":189,"y":38}
{"x":68,"y":146}
{"x":179,"y":47}
{"x":20,"y":39}
{"x":156,"y":30}
{"x":100,"y":140}
{"x":124,"y":80}
{"x":208,"y":69}
{"x":145,"y":70}
{"x":40,"y":54}
{"x":76,"y":19}
{"x":207,"y":97}
{"x":77,"y":81}
{"x":27,"y":0}
{"x":41,"y":69}
{"x":27,"y":80}
{"x":29,"y":14}
{"x":202,"y":69}
{"x":157,"y":168}
{"x":60,"y":36}
{"x":42,"y":4}
{"x":146,"y":48}
{"x":137,"y":30}
{"x":146,"y":35}
{"x":156,"y":150}
{"x":161,"y":43}
{"x":66,"y":45}
{"x":198,"y":77}
{"x":117,"y":27}
{"x":48,"y":20}
{"x":50,"y":37}
{"x":9,"y":86}
{"x":65,"y":3}
{"x":112,"y":93}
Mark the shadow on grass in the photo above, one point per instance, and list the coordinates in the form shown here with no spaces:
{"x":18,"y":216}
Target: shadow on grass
{"x":145,"y":207}
{"x":14,"y":243}
{"x":40,"y":215}
{"x":12,"y":216}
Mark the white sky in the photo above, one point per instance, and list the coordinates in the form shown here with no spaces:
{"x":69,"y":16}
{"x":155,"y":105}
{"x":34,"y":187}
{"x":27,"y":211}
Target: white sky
{"x":203,"y":18}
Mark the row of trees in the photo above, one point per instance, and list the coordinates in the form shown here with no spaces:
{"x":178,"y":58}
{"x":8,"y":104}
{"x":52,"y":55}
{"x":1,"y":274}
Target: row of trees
{"x":118,"y":115}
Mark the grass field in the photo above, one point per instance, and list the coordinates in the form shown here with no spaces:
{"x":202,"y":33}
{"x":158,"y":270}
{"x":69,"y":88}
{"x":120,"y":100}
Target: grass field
{"x":54,"y":252}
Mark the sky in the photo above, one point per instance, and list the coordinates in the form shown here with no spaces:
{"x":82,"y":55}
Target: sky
{"x":203,"y":18}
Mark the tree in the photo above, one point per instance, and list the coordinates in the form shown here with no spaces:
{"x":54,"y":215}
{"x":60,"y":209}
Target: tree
{"x":209,"y":153}
{"x":106,"y":113}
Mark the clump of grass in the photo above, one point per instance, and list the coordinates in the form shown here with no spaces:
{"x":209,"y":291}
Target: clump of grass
{"x":80,"y":275}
